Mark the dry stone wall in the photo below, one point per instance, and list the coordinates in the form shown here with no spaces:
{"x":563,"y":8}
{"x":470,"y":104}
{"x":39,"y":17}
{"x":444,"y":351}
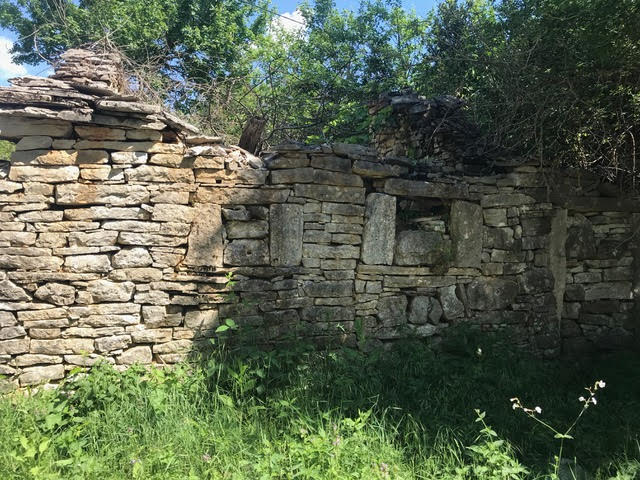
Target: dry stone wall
{"x":120,"y":225}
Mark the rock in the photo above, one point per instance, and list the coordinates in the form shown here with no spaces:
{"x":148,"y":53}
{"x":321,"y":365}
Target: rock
{"x":7,"y":319}
{"x":378,"y":236}
{"x":34,"y":143}
{"x":205,"y":241}
{"x":8,"y":333}
{"x":100,"y":238}
{"x":246,"y":252}
{"x":330,"y":193}
{"x":88,"y":263}
{"x":491,"y":293}
{"x":537,"y":280}
{"x":378,"y":170}
{"x":149,"y":173}
{"x":132,"y":257}
{"x":452,"y":307}
{"x":506,"y":200}
{"x":466,"y":234}
{"x":92,"y":157}
{"x":43,"y":174}
{"x":419,"y":247}
{"x":15,"y":346}
{"x":532,"y":226}
{"x":318,"y":313}
{"x":18,"y":127}
{"x":413,"y":188}
{"x":292,"y":175}
{"x":252,"y":229}
{"x":202,"y":320}
{"x":495,"y":217}
{"x":312,"y":250}
{"x":129,"y":158}
{"x":581,"y":242}
{"x":175,"y":346}
{"x":392,"y":311}
{"x":240,"y":196}
{"x":330,"y":289}
{"x":115,"y":195}
{"x":286,"y":231}
{"x":115,"y":342}
{"x":44,"y":157}
{"x":10,"y":291}
{"x":34,"y":359}
{"x":37,"y":375}
{"x":107,"y":291}
{"x":56,"y":293}
{"x":167,"y":212}
{"x":141,"y":355}
{"x":608,"y":290}
{"x":425,"y":309}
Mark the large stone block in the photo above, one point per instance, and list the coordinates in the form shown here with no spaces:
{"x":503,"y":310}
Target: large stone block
{"x":107,"y":291}
{"x":43,"y":174}
{"x":425,"y":310}
{"x":466,"y":234}
{"x":392,"y":311}
{"x":491,"y":293}
{"x":378,"y":237}
{"x":205,"y":241}
{"x":330,"y":193}
{"x":56,"y":293}
{"x":419,"y":247}
{"x":241,"y":196}
{"x":116,"y":195}
{"x":37,"y":375}
{"x":413,"y":188}
{"x":452,"y":306}
{"x":17,"y":127}
{"x":88,"y":263}
{"x":247,"y":252}
{"x":149,"y":173}
{"x":286,"y":231}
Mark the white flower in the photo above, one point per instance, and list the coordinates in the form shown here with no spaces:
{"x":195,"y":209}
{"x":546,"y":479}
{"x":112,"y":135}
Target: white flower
{"x":594,"y":401}
{"x":581,"y":399}
{"x":601,"y":384}
{"x":538,"y":410}
{"x":514,"y":406}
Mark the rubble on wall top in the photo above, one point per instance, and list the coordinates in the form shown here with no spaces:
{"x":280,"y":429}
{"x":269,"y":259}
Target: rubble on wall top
{"x":89,"y":87}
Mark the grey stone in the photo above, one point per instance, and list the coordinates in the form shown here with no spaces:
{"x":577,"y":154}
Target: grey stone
{"x":286,"y":230}
{"x":10,"y":291}
{"x":329,"y":288}
{"x":115,"y":342}
{"x":251,"y":229}
{"x":609,"y":290}
{"x":452,"y":307}
{"x":491,"y":293}
{"x":140,"y":354}
{"x":330,"y":193}
{"x":413,"y":188}
{"x":107,"y":291}
{"x":537,"y":280}
{"x":8,"y":333}
{"x":132,"y":257}
{"x":34,"y":142}
{"x":378,"y":237}
{"x":246,"y":252}
{"x":327,"y":313}
{"x":419,"y":247}
{"x":88,"y":263}
{"x":466,"y":234}
{"x":495,"y":217}
{"x":425,"y":310}
{"x":37,"y":375}
{"x":205,"y":241}
{"x":56,"y":293}
{"x":392,"y":311}
{"x":86,"y":194}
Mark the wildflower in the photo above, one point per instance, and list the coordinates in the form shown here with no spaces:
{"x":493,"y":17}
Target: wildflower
{"x":206,"y":457}
{"x":514,"y":406}
{"x":593,"y":400}
{"x":601,"y":384}
{"x":581,"y":399}
{"x":538,"y":410}
{"x":384,"y":468}
{"x":479,"y":351}
{"x":133,"y":461}
{"x":337,"y":441}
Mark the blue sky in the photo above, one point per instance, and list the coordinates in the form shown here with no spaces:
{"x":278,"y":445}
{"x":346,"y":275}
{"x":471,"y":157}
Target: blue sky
{"x":8,"y":69}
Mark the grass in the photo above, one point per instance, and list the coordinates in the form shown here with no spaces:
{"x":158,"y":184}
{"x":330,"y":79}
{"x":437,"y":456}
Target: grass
{"x":301,"y":413}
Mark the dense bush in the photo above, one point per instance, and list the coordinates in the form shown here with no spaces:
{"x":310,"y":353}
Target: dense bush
{"x":302,"y":413}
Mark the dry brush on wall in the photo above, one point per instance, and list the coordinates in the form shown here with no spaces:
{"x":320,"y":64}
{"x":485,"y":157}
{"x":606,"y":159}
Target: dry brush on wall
{"x":120,"y":225}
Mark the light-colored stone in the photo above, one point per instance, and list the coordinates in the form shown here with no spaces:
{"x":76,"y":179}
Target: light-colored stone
{"x":424,"y":310}
{"x":88,"y":263}
{"x":466,"y":234}
{"x":247,"y":252}
{"x":251,"y":229}
{"x":419,"y":247}
{"x":116,"y":195}
{"x":37,"y":375}
{"x":129,"y":158}
{"x":286,"y":230}
{"x":107,"y":291}
{"x":378,"y":237}
{"x":56,"y":293}
{"x":140,"y":354}
{"x":452,"y":307}
{"x":205,"y":240}
{"x":10,"y":291}
{"x":149,"y":173}
{"x":132,"y":257}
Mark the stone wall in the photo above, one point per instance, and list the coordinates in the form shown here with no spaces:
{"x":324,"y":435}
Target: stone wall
{"x":119,"y":226}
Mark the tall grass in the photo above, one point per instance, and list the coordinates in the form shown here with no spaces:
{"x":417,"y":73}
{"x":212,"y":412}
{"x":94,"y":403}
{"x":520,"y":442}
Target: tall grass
{"x":297,"y":412}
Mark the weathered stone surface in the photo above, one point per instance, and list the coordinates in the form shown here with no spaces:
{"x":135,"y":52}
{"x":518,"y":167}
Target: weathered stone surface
{"x":506,"y":200}
{"x":14,"y":346}
{"x":92,"y":132}
{"x":44,"y":157}
{"x":491,"y":293}
{"x":609,"y":290}
{"x":116,"y":195}
{"x":292,"y":175}
{"x":94,"y":239}
{"x":247,"y":252}
{"x":413,"y":188}
{"x":581,"y":242}
{"x":56,"y":293}
{"x":141,"y":355}
{"x":115,"y":342}
{"x":425,"y":309}
{"x":37,"y":375}
{"x":378,"y":170}
{"x":286,"y":231}
{"x":35,"y":142}
{"x":148,"y":173}
{"x":392,"y":310}
{"x":10,"y":291}
{"x":495,"y":217}
{"x":8,"y":333}
{"x":466,"y":234}
{"x":419,"y":247}
{"x":88,"y":263}
{"x":35,"y":359}
{"x":202,"y":320}
{"x":129,"y":158}
{"x":537,"y":280}
{"x":23,"y":262}
{"x":251,"y":229}
{"x":176,"y":346}
{"x":107,"y":291}
{"x":52,"y":174}
{"x":132,"y":257}
{"x":452,"y":307}
{"x":18,"y":127}
{"x":240,"y":196}
{"x":62,"y":346}
{"x":327,"y":313}
{"x":330,"y":193}
{"x":205,"y":241}
{"x":378,"y":236}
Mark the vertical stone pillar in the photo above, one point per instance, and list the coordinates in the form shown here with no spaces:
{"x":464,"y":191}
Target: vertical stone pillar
{"x":286,"y":225}
{"x":558,"y":257}
{"x":466,"y":234}
{"x":378,"y":237}
{"x":205,"y":239}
